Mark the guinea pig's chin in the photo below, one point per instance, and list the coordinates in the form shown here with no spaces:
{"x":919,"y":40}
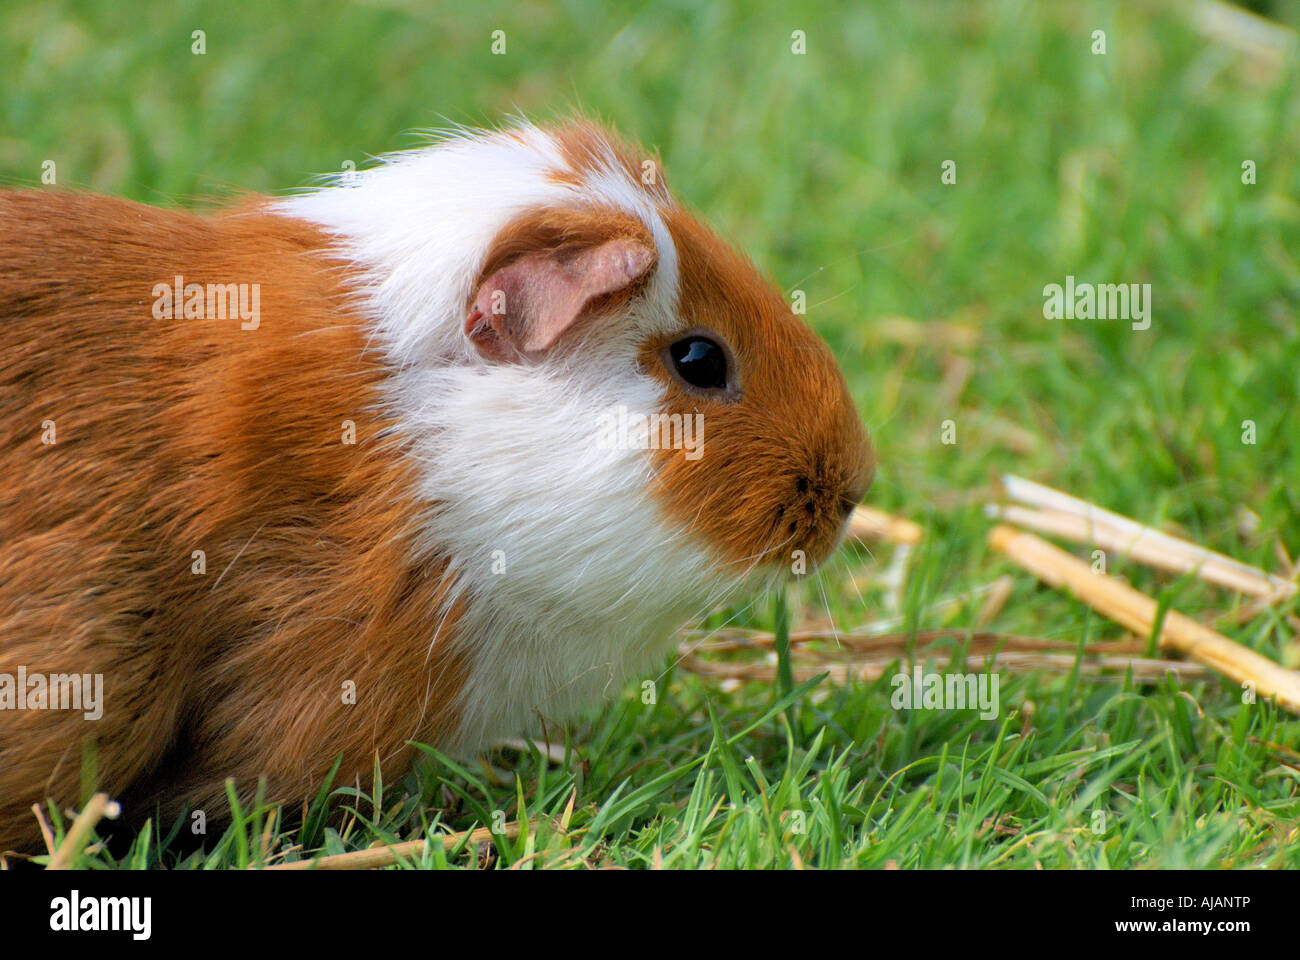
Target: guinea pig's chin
{"x":758,"y":572}
{"x":794,"y":565}
{"x":753,"y":579}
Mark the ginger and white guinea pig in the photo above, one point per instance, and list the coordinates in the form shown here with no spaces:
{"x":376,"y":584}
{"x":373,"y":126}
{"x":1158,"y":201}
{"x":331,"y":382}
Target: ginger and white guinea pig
{"x":440,"y":448}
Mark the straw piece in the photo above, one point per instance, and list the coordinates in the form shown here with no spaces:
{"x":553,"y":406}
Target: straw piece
{"x":74,"y":844}
{"x":1137,"y":612}
{"x":1078,"y":520}
{"x":902,"y":641}
{"x":554,"y":752}
{"x":46,"y":833}
{"x":1145,"y":549}
{"x":1291,"y":569}
{"x":387,"y":856}
{"x":894,"y":579}
{"x":867,"y":658}
{"x":1144,"y":669}
{"x":942,"y":609}
{"x":868,"y":523}
{"x":995,"y":601}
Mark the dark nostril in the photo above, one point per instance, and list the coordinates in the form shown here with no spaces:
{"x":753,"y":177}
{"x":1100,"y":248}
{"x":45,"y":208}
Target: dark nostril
{"x":802,"y":484}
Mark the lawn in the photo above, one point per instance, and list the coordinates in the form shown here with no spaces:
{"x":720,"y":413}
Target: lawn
{"x":828,"y":167}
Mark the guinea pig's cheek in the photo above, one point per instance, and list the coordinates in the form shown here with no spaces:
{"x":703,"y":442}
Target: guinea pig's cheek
{"x":717,"y":499}
{"x":762,"y":496}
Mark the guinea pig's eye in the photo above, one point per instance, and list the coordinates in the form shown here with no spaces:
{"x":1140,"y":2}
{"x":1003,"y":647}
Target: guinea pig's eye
{"x":701,"y":362}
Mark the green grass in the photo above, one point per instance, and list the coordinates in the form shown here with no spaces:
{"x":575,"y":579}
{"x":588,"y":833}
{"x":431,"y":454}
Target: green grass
{"x":826,"y":167}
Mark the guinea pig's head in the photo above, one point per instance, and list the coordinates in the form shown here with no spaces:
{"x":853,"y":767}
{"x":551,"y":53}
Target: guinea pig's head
{"x":785,"y":458}
{"x":755,"y":452}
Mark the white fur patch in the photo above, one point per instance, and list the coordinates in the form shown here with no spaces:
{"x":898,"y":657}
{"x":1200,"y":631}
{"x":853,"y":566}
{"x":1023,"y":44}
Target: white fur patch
{"x":571,"y":577}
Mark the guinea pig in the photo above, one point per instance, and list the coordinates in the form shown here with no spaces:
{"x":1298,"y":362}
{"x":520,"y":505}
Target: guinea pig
{"x":418,"y":456}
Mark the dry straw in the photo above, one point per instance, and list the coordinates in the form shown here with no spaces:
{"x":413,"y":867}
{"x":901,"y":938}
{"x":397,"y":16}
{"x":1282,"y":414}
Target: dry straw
{"x":395,"y":853}
{"x":868,"y":523}
{"x":1137,"y":612}
{"x":82,"y":829}
{"x":865,"y":658}
{"x":1059,"y":514}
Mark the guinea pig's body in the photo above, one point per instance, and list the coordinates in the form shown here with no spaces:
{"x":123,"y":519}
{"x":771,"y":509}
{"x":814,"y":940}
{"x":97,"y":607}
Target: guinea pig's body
{"x":374,"y":497}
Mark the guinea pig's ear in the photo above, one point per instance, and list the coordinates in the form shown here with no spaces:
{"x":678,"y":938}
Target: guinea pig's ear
{"x":547,"y":272}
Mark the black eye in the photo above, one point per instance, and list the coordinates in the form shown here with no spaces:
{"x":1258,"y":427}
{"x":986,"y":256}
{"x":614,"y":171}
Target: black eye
{"x":701,"y":362}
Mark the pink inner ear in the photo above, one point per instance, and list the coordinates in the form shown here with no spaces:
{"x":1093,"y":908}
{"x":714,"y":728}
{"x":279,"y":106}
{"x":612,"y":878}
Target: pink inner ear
{"x":525,"y":307}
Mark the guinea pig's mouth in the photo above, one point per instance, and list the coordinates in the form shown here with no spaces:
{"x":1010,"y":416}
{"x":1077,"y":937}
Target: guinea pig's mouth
{"x":811,"y":526}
